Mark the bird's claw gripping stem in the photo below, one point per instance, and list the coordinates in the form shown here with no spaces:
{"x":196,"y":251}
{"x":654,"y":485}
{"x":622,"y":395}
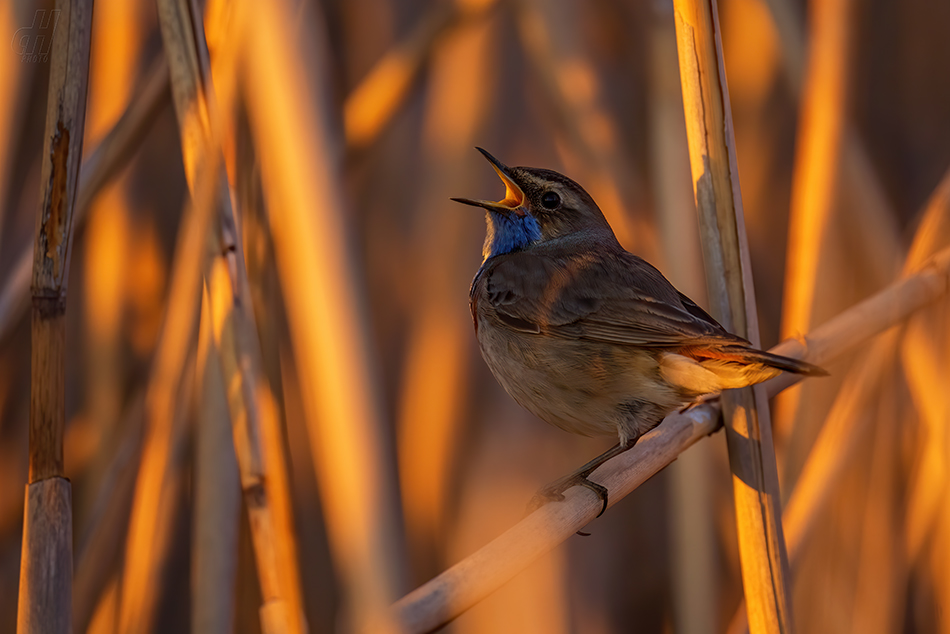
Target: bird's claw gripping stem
{"x":554,"y":492}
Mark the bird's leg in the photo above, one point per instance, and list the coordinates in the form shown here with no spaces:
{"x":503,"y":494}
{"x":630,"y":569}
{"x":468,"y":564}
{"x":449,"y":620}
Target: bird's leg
{"x":700,"y":400}
{"x":554,"y":492}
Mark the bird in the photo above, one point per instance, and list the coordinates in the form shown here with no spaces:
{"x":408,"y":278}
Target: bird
{"x":587,"y":336}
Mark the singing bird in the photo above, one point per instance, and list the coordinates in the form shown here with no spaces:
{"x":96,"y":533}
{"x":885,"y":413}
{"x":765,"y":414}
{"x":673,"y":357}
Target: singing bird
{"x":585,"y":335}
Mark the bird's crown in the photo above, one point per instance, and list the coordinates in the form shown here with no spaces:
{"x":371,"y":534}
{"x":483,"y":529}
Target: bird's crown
{"x":539,"y":206}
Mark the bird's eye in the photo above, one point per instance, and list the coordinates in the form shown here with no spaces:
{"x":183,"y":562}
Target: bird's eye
{"x":550,"y":200}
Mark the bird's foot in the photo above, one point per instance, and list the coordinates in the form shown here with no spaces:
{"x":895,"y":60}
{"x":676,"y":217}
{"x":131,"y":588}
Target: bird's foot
{"x":554,"y":492}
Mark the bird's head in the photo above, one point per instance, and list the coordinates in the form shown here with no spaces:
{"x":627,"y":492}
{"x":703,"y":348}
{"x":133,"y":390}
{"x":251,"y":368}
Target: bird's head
{"x":539,"y":206}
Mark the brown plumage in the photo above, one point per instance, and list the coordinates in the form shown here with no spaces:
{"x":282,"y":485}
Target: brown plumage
{"x":589,"y":337}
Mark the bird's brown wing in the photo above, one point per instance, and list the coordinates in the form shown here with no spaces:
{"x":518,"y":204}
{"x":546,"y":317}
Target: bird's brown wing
{"x":614,"y":297}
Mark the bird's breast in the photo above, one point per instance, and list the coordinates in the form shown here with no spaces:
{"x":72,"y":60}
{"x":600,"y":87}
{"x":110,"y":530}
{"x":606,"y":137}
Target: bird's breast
{"x":579,"y":386}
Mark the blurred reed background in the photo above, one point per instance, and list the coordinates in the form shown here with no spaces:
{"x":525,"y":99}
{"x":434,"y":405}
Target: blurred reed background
{"x":342,"y":346}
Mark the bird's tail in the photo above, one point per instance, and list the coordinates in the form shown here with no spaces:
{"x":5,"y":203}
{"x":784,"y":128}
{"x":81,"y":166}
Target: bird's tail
{"x":707,"y":370}
{"x":751,"y":355}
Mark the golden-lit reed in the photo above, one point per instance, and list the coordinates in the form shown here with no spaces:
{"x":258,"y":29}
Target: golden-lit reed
{"x":437,"y":374}
{"x":377,"y":98}
{"x":713,"y":163}
{"x":924,"y":360}
{"x":693,"y":551}
{"x":833,"y":186}
{"x":158,"y":484}
{"x":824,"y":99}
{"x":15,"y":83}
{"x":299,"y":160}
{"x":572,"y":90}
{"x":96,"y":577}
{"x":853,"y":417}
{"x":118,"y":30}
{"x":236,"y":348}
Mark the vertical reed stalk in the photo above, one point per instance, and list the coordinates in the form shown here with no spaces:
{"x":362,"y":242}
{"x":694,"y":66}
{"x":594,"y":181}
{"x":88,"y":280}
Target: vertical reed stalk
{"x":729,"y":278}
{"x":693,"y":547}
{"x":45,"y":594}
{"x":817,"y":164}
{"x":168,"y":394}
{"x":849,"y":417}
{"x":217,"y":496}
{"x":818,"y":154}
{"x":322,"y":288}
{"x":436,"y":375}
{"x":235,"y":334}
{"x":107,"y":523}
{"x":101,"y":165}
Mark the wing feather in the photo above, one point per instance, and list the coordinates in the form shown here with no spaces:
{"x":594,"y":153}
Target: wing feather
{"x":613,"y":297}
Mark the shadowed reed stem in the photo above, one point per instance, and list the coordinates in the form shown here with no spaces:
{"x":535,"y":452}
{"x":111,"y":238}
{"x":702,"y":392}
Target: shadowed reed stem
{"x":762,"y":556}
{"x":46,"y":564}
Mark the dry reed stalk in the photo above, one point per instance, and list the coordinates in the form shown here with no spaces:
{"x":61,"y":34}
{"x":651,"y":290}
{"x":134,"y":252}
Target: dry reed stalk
{"x":100,"y":167}
{"x":117,"y":40}
{"x":849,"y":416}
{"x":837,"y":441}
{"x":763,"y":560}
{"x":265,"y":297}
{"x":436,"y":385}
{"x":865,"y":215}
{"x":871,"y":216}
{"x":236,"y":343}
{"x":46,"y":563}
{"x":845,"y":424}
{"x":693,"y":551}
{"x":160,"y":483}
{"x":464,"y":584}
{"x":167,"y":398}
{"x":822,"y":87}
{"x":290,"y":121}
{"x":253,"y":407}
{"x":548,"y":31}
{"x":924,"y":359}
{"x":217,"y":492}
{"x":374,"y":102}
{"x":96,"y":553}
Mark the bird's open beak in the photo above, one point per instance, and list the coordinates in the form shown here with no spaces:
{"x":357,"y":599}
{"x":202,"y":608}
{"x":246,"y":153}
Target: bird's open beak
{"x":513,"y":202}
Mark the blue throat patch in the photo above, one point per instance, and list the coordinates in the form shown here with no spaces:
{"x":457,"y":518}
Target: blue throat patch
{"x":509,"y":233}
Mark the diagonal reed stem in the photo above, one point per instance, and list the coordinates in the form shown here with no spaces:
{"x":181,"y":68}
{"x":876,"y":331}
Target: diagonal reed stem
{"x":445,"y":597}
{"x":848,"y":420}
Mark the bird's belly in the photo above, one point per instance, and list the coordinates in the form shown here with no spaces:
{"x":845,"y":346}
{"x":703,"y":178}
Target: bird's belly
{"x":583,"y":387}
